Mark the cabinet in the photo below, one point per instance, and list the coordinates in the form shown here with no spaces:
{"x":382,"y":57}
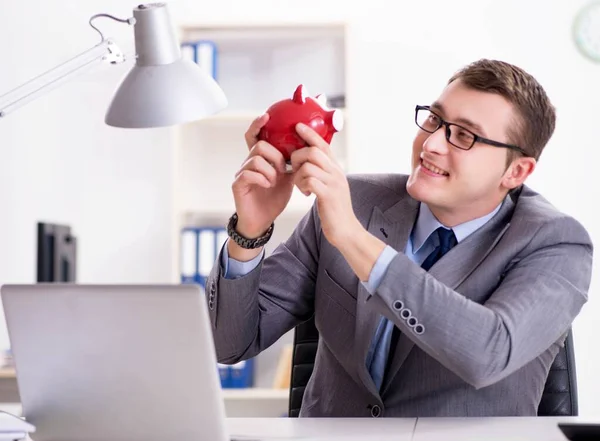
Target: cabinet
{"x":257,"y":65}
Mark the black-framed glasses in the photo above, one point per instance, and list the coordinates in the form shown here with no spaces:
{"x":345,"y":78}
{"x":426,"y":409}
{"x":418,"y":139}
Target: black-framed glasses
{"x":456,"y":135}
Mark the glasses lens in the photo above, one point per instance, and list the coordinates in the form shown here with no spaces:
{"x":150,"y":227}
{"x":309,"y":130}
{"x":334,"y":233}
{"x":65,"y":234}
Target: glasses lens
{"x":428,"y":121}
{"x":460,"y":137}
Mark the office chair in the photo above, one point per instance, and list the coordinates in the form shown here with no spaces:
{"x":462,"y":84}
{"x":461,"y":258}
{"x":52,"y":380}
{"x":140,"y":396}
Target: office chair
{"x":306,"y":339}
{"x":559,"y":397}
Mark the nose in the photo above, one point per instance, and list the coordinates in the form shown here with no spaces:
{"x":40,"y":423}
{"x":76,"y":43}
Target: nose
{"x":436,"y":142}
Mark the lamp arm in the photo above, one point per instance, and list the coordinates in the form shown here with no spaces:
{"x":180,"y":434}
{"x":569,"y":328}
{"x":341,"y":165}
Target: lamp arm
{"x":104,"y":52}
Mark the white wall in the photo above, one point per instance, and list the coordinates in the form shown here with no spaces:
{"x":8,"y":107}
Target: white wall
{"x":60,"y":163}
{"x":118,"y":182}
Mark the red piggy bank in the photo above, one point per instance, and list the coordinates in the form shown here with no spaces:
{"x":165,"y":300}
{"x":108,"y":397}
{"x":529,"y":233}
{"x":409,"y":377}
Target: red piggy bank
{"x":280,"y":130}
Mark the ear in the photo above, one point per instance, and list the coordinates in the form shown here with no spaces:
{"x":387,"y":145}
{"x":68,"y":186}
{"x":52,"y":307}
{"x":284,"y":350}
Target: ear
{"x":518,"y":171}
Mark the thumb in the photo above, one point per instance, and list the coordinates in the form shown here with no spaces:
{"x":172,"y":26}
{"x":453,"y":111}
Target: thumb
{"x":312,"y":138}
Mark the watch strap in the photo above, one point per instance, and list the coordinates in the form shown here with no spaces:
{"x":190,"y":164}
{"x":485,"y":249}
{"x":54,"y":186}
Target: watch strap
{"x":244,"y":242}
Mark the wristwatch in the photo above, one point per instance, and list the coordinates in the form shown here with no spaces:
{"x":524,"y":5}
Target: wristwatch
{"x":244,"y":242}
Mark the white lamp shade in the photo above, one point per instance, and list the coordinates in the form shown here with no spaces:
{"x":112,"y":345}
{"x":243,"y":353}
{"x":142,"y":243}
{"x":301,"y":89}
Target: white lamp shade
{"x":163,"y":88}
{"x":164,"y":95}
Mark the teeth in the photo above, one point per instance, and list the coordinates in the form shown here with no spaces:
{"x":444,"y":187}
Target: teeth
{"x":430,"y":167}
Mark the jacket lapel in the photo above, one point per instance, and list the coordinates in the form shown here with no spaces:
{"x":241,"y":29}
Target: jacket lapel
{"x":471,"y":252}
{"x":392,"y":227}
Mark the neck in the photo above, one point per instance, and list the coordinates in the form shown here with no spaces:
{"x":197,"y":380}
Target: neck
{"x":451,"y":217}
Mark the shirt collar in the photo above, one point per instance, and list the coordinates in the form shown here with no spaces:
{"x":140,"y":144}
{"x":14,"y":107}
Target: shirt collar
{"x":427,"y":223}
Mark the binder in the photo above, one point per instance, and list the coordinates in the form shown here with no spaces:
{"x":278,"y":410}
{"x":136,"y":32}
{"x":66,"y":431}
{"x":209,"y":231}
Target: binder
{"x":207,"y":251}
{"x":203,"y":53}
{"x":200,"y":247}
{"x":188,"y":51}
{"x":224,"y":375}
{"x":241,"y":374}
{"x":188,"y":258}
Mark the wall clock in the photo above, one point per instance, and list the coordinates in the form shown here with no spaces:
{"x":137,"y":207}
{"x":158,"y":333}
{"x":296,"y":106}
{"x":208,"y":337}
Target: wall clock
{"x":586,"y":31}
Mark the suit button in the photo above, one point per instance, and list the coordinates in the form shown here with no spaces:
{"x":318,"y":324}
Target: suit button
{"x":398,"y":305}
{"x":419,"y":329}
{"x":375,"y":411}
{"x":211,"y":305}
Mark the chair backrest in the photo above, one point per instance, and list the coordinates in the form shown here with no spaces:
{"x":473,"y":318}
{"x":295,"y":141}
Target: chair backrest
{"x":306,"y":339}
{"x":560,"y":392}
{"x":559,"y":397}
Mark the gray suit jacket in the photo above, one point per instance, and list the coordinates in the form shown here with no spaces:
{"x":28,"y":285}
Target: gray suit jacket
{"x":494,"y":310}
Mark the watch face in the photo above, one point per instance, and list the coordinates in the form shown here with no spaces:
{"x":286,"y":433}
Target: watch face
{"x":586,"y":31}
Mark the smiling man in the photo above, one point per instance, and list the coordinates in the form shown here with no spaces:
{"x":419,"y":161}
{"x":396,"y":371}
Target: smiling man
{"x":444,"y":293}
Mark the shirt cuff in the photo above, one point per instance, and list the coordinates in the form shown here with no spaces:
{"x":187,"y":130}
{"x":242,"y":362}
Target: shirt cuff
{"x":379,"y":269}
{"x":233,"y":269}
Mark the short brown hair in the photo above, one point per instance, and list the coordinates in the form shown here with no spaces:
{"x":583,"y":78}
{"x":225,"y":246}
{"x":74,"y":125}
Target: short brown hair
{"x":536,"y":116}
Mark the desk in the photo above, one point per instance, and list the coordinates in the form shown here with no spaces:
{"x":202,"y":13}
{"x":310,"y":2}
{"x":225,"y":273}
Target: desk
{"x":388,"y":429}
{"x":491,"y":429}
{"x":322,"y":429}
{"x":401,"y":429}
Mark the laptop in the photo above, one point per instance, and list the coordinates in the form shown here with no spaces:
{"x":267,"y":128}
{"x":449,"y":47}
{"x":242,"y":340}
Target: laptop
{"x":115,"y":362}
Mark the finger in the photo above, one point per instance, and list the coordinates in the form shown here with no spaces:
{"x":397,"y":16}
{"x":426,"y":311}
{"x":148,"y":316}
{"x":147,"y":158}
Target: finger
{"x":309,"y":170}
{"x":312,"y":185}
{"x":270,"y":153}
{"x":312,"y":138}
{"x":314,"y":155}
{"x":249,"y":177}
{"x":251,"y":134}
{"x":260,"y":165}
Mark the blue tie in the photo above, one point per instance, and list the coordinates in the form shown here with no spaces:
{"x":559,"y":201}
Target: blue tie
{"x":447,"y":241}
{"x":378,"y":360}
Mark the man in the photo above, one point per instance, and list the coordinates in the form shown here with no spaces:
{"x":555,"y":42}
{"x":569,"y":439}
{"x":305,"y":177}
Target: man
{"x":444,"y":293}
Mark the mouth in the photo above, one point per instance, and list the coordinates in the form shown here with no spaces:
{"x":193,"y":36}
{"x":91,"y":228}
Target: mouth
{"x":432,"y":169}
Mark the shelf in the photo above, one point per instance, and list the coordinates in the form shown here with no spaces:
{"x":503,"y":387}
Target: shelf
{"x":218,"y":214}
{"x":263,"y":27}
{"x":228,"y":394}
{"x":236,"y":116}
{"x":244,"y":116}
{"x":7,"y":373}
{"x":256,"y":394}
{"x":268,"y":36}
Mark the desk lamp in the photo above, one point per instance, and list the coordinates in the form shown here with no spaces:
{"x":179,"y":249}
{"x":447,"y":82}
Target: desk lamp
{"x":162,"y":88}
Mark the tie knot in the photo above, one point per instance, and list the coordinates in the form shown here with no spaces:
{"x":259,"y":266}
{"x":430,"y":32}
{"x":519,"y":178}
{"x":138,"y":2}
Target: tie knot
{"x":447,"y":239}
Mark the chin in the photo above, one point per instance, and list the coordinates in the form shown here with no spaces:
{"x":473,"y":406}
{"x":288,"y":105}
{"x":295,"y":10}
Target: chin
{"x":416,"y":189}
{"x":419,"y":190}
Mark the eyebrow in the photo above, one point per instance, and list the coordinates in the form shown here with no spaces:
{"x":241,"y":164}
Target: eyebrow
{"x":463,"y":121}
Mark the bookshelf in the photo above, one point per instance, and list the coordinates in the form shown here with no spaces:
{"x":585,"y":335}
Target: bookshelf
{"x":257,"y":65}
{"x":257,"y":393}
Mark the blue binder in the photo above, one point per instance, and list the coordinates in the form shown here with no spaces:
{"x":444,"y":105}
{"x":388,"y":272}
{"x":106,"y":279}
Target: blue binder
{"x":200,"y":247}
{"x":203,"y":53}
{"x":241,"y":374}
{"x":224,"y":375}
{"x":189,"y":255}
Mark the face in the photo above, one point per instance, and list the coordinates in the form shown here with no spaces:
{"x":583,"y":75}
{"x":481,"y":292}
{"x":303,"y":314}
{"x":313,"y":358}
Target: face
{"x":459,"y":185}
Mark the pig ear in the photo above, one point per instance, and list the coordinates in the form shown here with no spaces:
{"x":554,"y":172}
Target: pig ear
{"x":299,"y":96}
{"x":321,"y":99}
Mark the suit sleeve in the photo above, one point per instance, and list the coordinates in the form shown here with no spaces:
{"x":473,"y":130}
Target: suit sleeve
{"x":249,"y":313}
{"x":532,"y":307}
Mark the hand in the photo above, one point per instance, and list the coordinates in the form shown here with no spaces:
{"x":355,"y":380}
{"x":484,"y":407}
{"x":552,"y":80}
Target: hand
{"x":316,"y":172}
{"x":262,"y":188}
